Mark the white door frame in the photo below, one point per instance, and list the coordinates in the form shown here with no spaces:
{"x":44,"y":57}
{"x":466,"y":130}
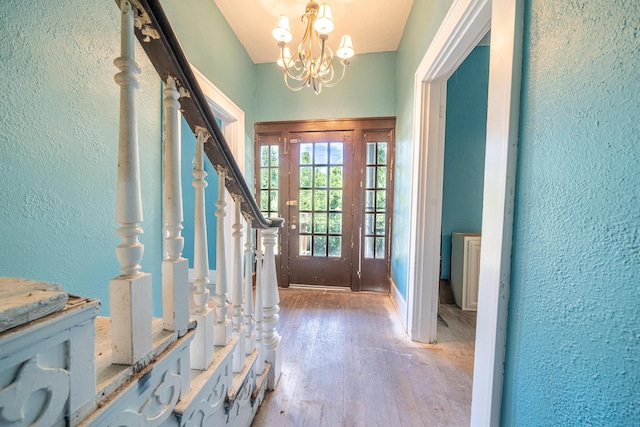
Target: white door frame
{"x":232,"y":118}
{"x":464,"y":26}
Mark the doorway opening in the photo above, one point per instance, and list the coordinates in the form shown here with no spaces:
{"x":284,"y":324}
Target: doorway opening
{"x":332,"y":182}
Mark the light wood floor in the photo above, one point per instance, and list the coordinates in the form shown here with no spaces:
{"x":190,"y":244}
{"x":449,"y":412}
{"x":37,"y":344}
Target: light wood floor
{"x":346,"y":361}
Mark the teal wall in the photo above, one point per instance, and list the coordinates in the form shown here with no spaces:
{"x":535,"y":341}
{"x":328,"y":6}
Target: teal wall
{"x":421,"y":27}
{"x":464,"y":147}
{"x":58,"y":145}
{"x":368,"y":90}
{"x":573,"y":343}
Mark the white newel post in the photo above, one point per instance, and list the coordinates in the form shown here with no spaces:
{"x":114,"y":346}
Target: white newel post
{"x":237,"y":314}
{"x":175,"y":268}
{"x":222,"y":334}
{"x":271,"y":299}
{"x":259,"y":343}
{"x":201,"y":349}
{"x":250,"y":343}
{"x":129,"y":293}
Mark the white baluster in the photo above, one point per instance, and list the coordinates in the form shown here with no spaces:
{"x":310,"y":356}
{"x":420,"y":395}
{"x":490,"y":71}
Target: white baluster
{"x":223,"y":325}
{"x":259,"y":286}
{"x":202,"y":345}
{"x":270,"y":336}
{"x":175,"y":275}
{"x":237,"y":314}
{"x":130,"y":293}
{"x":249,"y":324}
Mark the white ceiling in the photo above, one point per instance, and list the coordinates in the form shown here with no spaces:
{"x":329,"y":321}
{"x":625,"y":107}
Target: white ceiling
{"x":374,"y":25}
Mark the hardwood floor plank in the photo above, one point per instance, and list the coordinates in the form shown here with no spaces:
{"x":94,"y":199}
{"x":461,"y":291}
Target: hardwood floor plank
{"x":347,"y":362}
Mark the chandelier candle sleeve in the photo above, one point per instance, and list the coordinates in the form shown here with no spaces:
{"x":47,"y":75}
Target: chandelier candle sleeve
{"x":311,"y":64}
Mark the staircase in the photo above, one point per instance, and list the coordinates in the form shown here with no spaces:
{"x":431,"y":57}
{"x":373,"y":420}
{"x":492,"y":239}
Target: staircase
{"x":209,"y":360}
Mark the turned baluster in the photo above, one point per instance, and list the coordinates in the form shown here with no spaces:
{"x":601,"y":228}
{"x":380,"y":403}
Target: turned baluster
{"x":202,"y":345}
{"x":175,"y":276}
{"x":237,"y":314}
{"x":248,"y":292}
{"x":222,"y":325}
{"x":130,"y":293}
{"x":259,"y":342}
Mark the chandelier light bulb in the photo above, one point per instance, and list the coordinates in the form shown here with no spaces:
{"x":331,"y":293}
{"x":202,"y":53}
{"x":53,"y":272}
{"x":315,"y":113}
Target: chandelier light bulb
{"x":324,"y":22}
{"x":345,"y":51}
{"x":282,"y":31}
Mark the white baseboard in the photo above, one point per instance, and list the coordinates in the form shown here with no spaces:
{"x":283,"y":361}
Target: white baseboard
{"x":399,"y":302}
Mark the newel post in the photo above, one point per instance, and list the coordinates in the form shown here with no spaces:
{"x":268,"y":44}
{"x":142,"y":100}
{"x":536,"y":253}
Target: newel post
{"x":130,"y":293}
{"x":271,"y":299}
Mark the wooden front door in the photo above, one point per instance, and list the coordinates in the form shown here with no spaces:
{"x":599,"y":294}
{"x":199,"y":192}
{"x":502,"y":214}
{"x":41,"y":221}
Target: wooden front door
{"x":331,"y":182}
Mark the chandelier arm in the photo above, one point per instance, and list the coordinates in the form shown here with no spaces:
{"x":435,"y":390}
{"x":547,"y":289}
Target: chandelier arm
{"x":295,"y":89}
{"x":286,"y":70}
{"x":344,"y":63}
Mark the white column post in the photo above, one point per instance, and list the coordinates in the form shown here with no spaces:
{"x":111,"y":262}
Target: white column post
{"x":249,"y":324}
{"x":271,"y":299}
{"x":130,"y":293}
{"x":202,"y":345}
{"x":259,"y":286}
{"x":222,"y":333}
{"x":175,"y":269}
{"x":237,"y":314}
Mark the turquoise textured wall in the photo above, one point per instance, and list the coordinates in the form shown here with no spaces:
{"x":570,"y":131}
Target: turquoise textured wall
{"x":464,"y":147}
{"x":368,"y":90}
{"x":573,"y":344}
{"x":421,"y":27}
{"x":58,"y":145}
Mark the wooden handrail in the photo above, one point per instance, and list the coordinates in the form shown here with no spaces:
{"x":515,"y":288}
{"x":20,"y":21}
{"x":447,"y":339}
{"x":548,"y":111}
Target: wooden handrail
{"x":161,"y":45}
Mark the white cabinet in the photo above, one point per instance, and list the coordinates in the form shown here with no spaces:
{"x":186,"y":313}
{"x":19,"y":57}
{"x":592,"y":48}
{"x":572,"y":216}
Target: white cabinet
{"x":465,"y":269}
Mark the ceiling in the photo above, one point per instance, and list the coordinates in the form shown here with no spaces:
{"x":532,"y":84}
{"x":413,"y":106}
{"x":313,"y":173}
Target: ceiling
{"x":374,"y":25}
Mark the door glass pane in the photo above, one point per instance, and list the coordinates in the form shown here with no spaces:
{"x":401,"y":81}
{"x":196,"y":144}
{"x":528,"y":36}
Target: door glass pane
{"x":319,"y":222}
{"x":371,"y":177}
{"x":306,"y":154}
{"x":305,"y":176}
{"x":321,"y":154}
{"x":305,"y":200}
{"x":335,"y":223}
{"x":320,"y":200}
{"x":264,"y":178}
{"x":273,"y":200}
{"x":305,"y":222}
{"x":335,"y":153}
{"x":335,"y":200}
{"x":369,"y":203}
{"x":380,"y":224}
{"x":264,"y":155}
{"x":379,"y":247}
{"x":382,"y":153}
{"x":371,"y":153}
{"x":335,"y":246}
{"x":273,"y":182}
{"x":382,"y":177}
{"x":264,"y":201}
{"x":368,"y":247}
{"x":274,"y":156}
{"x":319,"y":245}
{"x":305,"y":245}
{"x":368,"y":224}
{"x":335,"y":180}
{"x":381,"y":200}
{"x":320,"y":179}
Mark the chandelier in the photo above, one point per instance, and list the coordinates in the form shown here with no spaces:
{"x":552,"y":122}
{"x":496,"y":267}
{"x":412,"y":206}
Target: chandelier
{"x":304,"y":67}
